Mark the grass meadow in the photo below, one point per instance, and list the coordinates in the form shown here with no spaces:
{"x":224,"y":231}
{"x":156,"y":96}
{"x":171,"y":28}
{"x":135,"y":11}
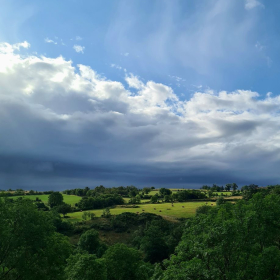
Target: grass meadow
{"x":179,"y":210}
{"x":70,"y":199}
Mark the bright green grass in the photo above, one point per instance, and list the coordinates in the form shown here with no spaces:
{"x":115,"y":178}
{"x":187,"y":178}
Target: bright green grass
{"x":70,"y":199}
{"x":177,"y":211}
{"x":126,"y":200}
{"x":225,"y":193}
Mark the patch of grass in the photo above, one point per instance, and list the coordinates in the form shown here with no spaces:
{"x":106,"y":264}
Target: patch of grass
{"x":70,"y":199}
{"x":179,"y":210}
{"x":126,"y":200}
{"x":224,"y":193}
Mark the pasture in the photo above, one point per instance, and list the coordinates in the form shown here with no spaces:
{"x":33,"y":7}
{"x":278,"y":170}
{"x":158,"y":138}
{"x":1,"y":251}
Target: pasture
{"x":70,"y":199}
{"x":179,"y":210}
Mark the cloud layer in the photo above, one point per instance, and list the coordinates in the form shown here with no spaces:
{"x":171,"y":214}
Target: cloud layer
{"x":65,"y":126}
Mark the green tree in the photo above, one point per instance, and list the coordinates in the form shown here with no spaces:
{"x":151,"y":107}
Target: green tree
{"x":234,"y":187}
{"x":204,"y":209}
{"x":154,"y":198}
{"x":228,"y":187}
{"x":220,"y":201}
{"x":147,"y":190}
{"x":106,"y":213}
{"x":135,"y":200}
{"x":167,"y":198}
{"x":55,"y":199}
{"x":153,"y":245}
{"x":90,"y":242}
{"x":88,"y":215}
{"x":230,"y":242}
{"x":123,"y":263}
{"x":210,"y":193}
{"x":85,"y":267}
{"x":164,"y":191}
{"x":63,"y":209}
{"x":29,"y":246}
{"x":249,"y":191}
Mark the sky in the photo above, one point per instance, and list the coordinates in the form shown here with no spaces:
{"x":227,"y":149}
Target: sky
{"x":162,"y":93}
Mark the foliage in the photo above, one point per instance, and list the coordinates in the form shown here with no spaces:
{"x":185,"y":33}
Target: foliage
{"x":125,"y":263}
{"x":100,"y":202}
{"x":29,"y":246}
{"x":123,"y":221}
{"x":231,"y":242}
{"x":189,"y":194}
{"x":220,"y":201}
{"x":154,"y":198}
{"x":249,"y":191}
{"x":88,"y":215}
{"x":63,"y":209}
{"x":41,"y":206}
{"x":86,"y":267}
{"x":90,"y":242}
{"x":135,"y":200}
{"x":164,"y":191}
{"x":204,"y":209}
{"x":106,"y":213}
{"x":157,"y":239}
{"x":55,"y":199}
{"x":153,"y":245}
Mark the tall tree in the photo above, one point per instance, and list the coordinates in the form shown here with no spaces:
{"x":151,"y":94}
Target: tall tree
{"x":55,"y":199}
{"x":125,"y":263}
{"x":90,"y":242}
{"x":29,"y":246}
{"x":64,"y":208}
{"x":86,"y":267}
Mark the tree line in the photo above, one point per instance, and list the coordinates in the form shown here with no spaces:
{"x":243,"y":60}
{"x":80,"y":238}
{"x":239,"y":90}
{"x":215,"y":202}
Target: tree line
{"x":229,"y":241}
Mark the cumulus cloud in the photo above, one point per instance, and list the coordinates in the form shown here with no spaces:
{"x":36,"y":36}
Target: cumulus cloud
{"x":134,"y":81}
{"x":79,"y":49}
{"x":65,"y":125}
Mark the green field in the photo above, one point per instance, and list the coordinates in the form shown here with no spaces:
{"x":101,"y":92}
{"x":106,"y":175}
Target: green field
{"x":70,"y":199}
{"x":177,"y":211}
{"x":126,"y":200}
{"x":224,"y":193}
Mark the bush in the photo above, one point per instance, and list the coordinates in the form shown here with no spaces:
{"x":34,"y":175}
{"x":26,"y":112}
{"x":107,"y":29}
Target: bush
{"x":106,"y":213}
{"x":204,"y":209}
{"x":88,"y":216}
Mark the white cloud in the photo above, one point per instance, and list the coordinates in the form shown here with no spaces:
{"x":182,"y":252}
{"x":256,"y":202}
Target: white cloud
{"x":78,"y":38}
{"x":47,"y":40}
{"x":79,"y":49}
{"x":251,"y":4}
{"x":6,"y":48}
{"x":134,"y":81}
{"x":51,"y":109}
{"x":125,"y":54}
{"x":113,"y":65}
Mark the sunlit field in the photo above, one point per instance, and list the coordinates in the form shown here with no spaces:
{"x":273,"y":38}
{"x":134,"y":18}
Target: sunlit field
{"x":179,"y":210}
{"x":70,"y":199}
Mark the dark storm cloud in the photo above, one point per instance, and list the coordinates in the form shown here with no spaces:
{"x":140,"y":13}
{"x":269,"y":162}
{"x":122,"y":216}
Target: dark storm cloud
{"x":63,"y":127}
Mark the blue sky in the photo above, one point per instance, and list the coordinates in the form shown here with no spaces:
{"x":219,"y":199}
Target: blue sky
{"x":216,"y":44}
{"x":120,"y":92}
